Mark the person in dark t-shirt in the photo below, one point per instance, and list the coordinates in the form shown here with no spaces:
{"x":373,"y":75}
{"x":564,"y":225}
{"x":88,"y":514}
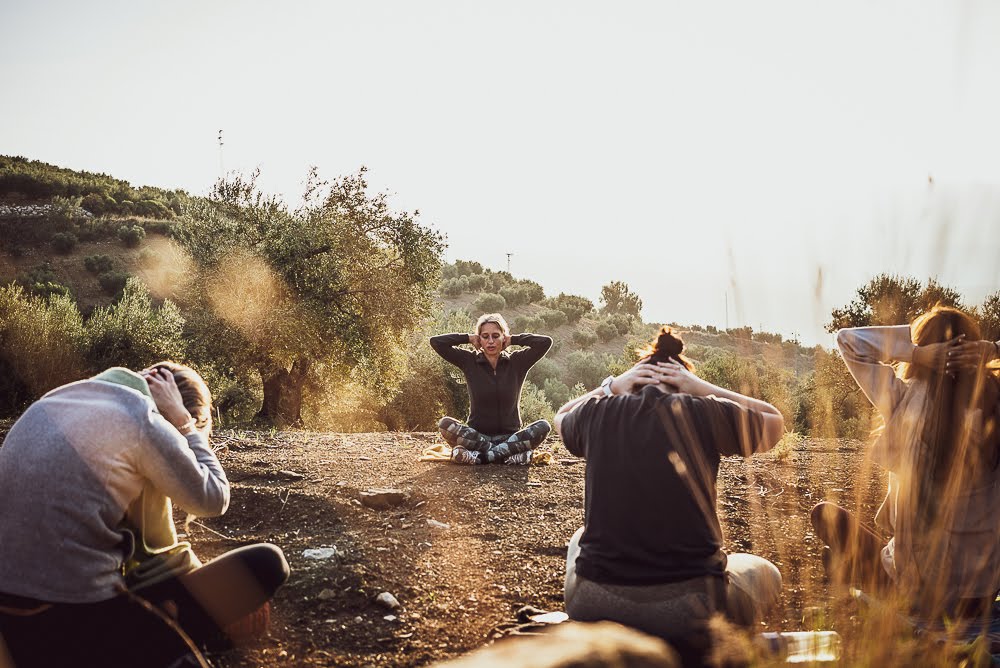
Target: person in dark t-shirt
{"x":494,"y":376}
{"x":650,"y":552}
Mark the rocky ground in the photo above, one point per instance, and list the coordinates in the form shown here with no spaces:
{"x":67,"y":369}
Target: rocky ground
{"x":468,"y":546}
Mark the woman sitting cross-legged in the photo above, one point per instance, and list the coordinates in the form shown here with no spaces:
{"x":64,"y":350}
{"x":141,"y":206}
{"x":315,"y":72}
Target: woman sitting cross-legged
{"x":494,"y":376}
{"x":941,"y":445}
{"x":650,"y":553}
{"x":91,"y":569}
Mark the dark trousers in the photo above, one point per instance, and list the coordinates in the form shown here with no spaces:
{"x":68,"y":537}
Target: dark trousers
{"x":156,"y":626}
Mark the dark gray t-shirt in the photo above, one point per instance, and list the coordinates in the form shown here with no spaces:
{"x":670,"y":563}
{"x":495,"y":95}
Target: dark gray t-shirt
{"x":652,"y":463}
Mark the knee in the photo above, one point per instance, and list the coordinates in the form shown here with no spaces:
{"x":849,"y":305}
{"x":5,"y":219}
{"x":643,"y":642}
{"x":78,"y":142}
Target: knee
{"x":269,"y":566}
{"x":539,"y":430}
{"x":821,"y":516}
{"x":446,"y":422}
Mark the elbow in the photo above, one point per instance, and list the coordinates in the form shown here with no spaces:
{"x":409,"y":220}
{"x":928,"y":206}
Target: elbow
{"x":215,"y":501}
{"x":774,"y":429}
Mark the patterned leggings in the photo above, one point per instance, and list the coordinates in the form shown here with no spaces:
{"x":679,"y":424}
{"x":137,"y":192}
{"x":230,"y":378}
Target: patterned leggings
{"x":471,"y":447}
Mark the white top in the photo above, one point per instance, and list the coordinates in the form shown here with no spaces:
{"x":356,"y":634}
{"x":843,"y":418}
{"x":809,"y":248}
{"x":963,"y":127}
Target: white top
{"x":963,"y":562}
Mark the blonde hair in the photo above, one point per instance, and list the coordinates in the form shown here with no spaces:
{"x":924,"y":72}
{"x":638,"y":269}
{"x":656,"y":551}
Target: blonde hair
{"x":195,"y":395}
{"x":496,"y":319}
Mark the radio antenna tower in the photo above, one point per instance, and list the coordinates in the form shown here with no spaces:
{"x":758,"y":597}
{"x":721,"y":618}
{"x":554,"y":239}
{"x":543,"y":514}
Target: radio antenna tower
{"x":222,"y":168}
{"x":508,"y":262}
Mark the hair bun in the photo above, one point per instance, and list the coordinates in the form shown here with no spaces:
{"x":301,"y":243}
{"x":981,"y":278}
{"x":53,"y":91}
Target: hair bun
{"x":667,"y":344}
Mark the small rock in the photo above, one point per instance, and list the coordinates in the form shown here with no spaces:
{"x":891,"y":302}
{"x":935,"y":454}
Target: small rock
{"x":438,"y":525}
{"x":383,"y":499}
{"x":358,"y":619}
{"x":390,"y":618}
{"x":387,"y":600}
{"x":327,"y":594}
{"x":289,"y":475}
{"x":319,"y":552}
{"x":533,"y":484}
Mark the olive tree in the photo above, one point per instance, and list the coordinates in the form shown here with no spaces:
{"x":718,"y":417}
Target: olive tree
{"x":331,"y":286}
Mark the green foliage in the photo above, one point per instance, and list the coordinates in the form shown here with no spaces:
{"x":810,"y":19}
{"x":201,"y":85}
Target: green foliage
{"x":151,"y":208}
{"x":585,"y":368}
{"x":41,"y":345}
{"x":889,"y":299}
{"x":476,"y":282}
{"x":522,"y":292}
{"x":752,"y":377}
{"x":616,"y":297}
{"x":131,"y":235}
{"x":989,"y":317}
{"x":339,"y":281}
{"x":98,"y":264}
{"x":767,"y":337}
{"x":99,"y":203}
{"x":65,"y":208}
{"x":543,"y":370}
{"x":113,"y":282}
{"x":605,"y":331}
{"x":574,"y":306}
{"x":453,"y":287}
{"x":556,"y":392}
{"x":133,"y":332}
{"x":64,"y":242}
{"x":534,"y":404}
{"x":584,"y":338}
{"x":34,"y":181}
{"x":489,"y":303}
{"x":831,"y":403}
{"x":744,"y":333}
{"x":529,"y":324}
{"x":42,"y":281}
{"x":553,"y":318}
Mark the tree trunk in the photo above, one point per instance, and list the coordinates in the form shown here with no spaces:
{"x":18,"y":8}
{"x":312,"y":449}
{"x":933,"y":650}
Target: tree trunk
{"x":282,"y":405}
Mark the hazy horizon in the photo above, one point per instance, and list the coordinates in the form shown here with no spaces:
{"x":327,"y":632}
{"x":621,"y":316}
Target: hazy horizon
{"x":781,"y":153}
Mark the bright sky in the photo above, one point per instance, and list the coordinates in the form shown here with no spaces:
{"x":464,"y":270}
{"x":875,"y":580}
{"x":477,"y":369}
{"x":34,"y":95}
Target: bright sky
{"x":775,"y":151}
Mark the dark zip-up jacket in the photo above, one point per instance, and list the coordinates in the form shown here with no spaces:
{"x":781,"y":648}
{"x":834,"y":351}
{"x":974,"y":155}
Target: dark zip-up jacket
{"x":494,"y":395}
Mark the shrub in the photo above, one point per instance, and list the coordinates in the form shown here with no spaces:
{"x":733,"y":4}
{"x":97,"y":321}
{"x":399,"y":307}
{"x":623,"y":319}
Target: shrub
{"x":164,"y":227}
{"x":553,"y":318}
{"x":113,"y":282}
{"x":585,"y":368}
{"x":98,"y":264}
{"x":488,"y":302}
{"x":584,"y":338}
{"x":64,"y":242}
{"x":534,"y":404}
{"x":65,"y":208}
{"x":529,"y":324}
{"x":453,"y":287}
{"x":543,"y":370}
{"x":622,"y":322}
{"x":575,"y":307}
{"x":132,"y":332}
{"x":126,"y":207}
{"x":131,"y":235}
{"x":513,"y":295}
{"x":99,"y":203}
{"x":151,"y":208}
{"x":605,"y":331}
{"x":41,"y":281}
{"x":467,"y":268}
{"x":41,"y":344}
{"x":556,"y":391}
{"x":476,"y":282}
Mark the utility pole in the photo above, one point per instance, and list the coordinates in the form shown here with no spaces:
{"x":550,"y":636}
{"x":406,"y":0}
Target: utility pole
{"x":222,"y":168}
{"x":508,"y":262}
{"x":727,"y":309}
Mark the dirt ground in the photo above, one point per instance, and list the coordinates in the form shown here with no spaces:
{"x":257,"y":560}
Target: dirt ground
{"x":470,"y":545}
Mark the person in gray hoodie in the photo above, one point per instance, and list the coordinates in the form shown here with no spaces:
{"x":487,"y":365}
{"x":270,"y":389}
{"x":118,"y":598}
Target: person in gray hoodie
{"x":91,"y":568}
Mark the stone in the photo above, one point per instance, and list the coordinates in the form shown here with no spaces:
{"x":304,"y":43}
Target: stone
{"x":383,"y":499}
{"x":319,"y":552}
{"x":327,"y":594}
{"x":387,"y":600}
{"x":438,"y":525}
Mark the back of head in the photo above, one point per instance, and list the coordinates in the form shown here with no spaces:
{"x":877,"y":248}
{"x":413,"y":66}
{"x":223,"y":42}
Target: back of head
{"x":957,"y":432}
{"x":194,"y":392}
{"x":667,"y":347}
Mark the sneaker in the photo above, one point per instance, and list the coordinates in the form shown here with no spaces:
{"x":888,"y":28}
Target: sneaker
{"x":460,"y":455}
{"x":521,"y":458}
